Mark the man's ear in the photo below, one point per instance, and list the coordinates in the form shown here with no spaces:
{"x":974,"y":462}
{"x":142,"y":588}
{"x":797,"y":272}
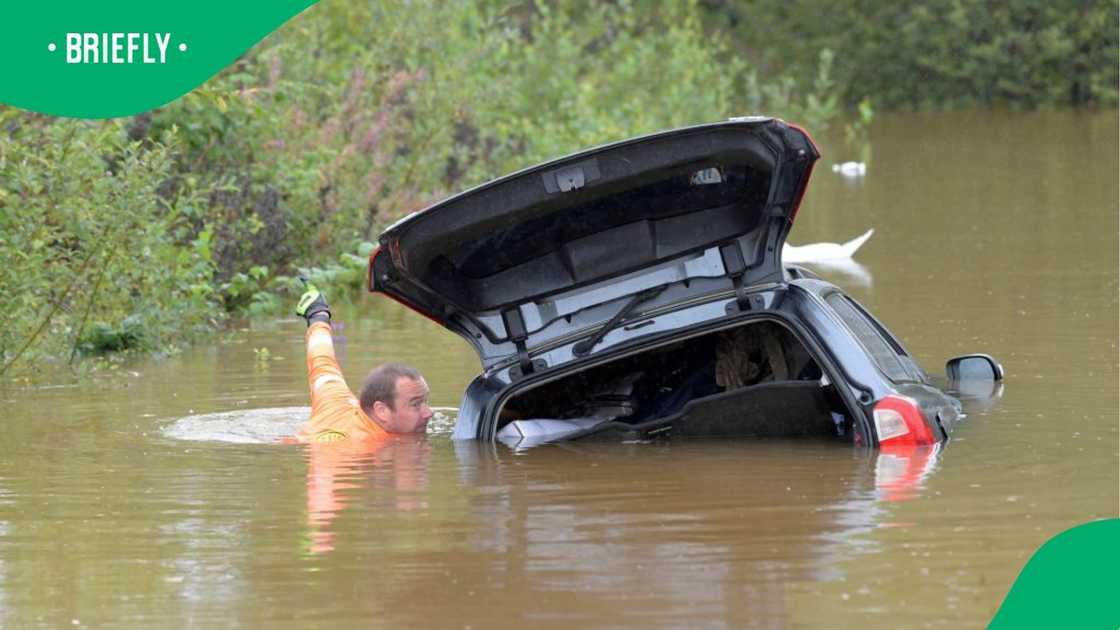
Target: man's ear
{"x":380,"y":409}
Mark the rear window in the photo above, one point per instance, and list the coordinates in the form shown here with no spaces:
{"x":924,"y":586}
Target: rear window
{"x":889,"y":360}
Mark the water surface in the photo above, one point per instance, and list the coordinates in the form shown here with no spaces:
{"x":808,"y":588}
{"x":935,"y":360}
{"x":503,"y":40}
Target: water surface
{"x":994,"y":233}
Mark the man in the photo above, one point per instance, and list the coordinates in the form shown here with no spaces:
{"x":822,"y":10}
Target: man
{"x":393,"y":399}
{"x":383,"y":427}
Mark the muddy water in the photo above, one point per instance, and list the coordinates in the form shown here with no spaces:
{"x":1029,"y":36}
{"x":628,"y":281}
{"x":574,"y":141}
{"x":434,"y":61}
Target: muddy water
{"x":993,"y":233}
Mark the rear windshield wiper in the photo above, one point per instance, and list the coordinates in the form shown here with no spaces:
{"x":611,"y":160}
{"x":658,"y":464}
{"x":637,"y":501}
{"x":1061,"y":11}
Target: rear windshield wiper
{"x":585,"y":346}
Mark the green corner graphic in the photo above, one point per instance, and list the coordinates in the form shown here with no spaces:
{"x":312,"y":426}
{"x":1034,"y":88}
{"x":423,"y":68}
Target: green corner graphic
{"x":1072,"y":581}
{"x":108,"y":59}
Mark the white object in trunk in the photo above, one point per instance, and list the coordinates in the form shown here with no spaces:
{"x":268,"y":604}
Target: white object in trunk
{"x":526,"y":433}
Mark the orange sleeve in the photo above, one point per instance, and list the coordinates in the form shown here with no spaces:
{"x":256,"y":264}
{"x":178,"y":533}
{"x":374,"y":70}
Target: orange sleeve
{"x":333,"y":405}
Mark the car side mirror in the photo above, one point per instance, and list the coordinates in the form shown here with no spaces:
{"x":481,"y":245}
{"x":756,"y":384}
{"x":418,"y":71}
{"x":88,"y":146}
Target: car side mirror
{"x":974,"y":368}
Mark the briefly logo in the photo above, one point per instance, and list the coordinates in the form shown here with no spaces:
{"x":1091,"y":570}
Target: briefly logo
{"x":117,"y":48}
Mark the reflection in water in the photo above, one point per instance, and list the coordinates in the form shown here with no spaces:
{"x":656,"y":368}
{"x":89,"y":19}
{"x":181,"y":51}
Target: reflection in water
{"x":740,"y":532}
{"x":335,"y":471}
{"x":901,"y":473}
{"x":978,"y":396}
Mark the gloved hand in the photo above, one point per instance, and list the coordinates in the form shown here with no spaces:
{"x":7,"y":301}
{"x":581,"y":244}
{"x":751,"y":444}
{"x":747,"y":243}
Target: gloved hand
{"x":313,"y":306}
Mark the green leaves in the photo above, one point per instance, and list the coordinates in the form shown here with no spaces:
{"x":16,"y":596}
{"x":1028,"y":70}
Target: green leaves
{"x":87,"y":253}
{"x":938,"y":53}
{"x":101,"y":338}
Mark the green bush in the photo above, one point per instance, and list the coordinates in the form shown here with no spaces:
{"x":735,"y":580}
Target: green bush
{"x":93,"y":249}
{"x":102,"y":338}
{"x":936,"y":53}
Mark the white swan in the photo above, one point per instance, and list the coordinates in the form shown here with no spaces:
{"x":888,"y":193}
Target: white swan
{"x":824,"y":252}
{"x":850,"y":169}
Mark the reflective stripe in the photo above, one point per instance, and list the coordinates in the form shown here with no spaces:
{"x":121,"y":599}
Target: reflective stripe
{"x":318,"y":339}
{"x":329,"y":435}
{"x":326,"y":378}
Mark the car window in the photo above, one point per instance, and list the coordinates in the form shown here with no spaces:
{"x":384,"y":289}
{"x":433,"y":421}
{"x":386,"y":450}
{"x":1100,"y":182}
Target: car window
{"x":889,"y":358}
{"x":912,"y":366}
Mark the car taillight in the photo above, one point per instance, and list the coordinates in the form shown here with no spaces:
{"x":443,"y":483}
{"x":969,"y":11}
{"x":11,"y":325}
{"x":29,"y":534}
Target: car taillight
{"x":899,"y":422}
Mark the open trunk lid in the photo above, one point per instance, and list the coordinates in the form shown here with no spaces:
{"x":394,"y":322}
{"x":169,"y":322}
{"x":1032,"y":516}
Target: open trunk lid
{"x":509,"y":264}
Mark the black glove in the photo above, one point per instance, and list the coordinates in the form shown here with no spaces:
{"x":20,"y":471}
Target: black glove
{"x":313,"y":307}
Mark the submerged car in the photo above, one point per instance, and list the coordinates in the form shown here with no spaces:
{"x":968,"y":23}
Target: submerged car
{"x":636,"y":290}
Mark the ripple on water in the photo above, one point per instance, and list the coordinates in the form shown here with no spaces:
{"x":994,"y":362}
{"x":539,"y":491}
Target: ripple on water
{"x":244,"y":426}
{"x":262,"y":426}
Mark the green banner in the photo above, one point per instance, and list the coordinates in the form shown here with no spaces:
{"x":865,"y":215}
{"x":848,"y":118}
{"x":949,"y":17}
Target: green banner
{"x":107,"y":59}
{"x":1072,"y":581}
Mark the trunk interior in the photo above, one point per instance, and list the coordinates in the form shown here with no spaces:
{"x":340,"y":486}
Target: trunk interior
{"x":754,"y":380}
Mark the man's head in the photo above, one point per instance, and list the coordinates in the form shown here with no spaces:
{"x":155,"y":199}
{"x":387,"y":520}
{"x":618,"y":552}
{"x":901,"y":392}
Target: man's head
{"x":396,"y":398}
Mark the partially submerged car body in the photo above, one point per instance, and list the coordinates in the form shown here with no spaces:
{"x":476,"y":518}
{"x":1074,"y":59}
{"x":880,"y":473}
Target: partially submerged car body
{"x":667,"y":245}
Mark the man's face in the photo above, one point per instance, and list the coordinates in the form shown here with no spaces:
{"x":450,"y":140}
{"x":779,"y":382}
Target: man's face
{"x":410,"y":412}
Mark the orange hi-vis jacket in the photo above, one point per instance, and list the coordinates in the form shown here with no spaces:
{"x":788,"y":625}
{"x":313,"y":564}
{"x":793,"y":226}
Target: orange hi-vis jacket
{"x":335,"y":413}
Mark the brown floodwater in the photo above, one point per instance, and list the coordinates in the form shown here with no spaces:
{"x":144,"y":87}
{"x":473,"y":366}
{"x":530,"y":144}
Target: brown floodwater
{"x":152,"y":498}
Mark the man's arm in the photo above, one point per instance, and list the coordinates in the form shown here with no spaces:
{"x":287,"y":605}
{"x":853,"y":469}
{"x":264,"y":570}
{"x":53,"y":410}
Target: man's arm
{"x":333,"y":405}
{"x":329,"y":392}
